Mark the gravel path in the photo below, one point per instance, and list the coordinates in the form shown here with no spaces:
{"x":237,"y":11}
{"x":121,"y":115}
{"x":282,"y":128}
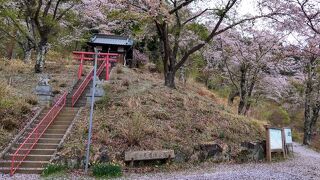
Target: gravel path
{"x":305,"y":165}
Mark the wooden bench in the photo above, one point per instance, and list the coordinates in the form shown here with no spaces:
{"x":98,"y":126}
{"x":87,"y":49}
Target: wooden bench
{"x":132,"y":156}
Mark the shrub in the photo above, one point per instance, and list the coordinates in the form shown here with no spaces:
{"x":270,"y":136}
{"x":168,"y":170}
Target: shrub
{"x":280,"y":116}
{"x":119,"y":70}
{"x":6,"y":104}
{"x":55,"y":92}
{"x":32,"y":101}
{"x":53,"y":169}
{"x":25,"y":109}
{"x":221,"y":135}
{"x":296,"y":136}
{"x":126,"y":83}
{"x":9,"y":124}
{"x":63,"y":85}
{"x":275,"y":113}
{"x":106,"y":170}
{"x":135,"y":128}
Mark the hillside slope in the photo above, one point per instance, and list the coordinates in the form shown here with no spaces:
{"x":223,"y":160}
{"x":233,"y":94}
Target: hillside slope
{"x":18,"y":99}
{"x":139,"y":113}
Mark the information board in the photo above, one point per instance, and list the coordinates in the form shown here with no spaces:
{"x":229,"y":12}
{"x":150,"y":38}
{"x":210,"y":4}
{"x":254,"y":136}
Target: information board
{"x":288,"y":135}
{"x":275,"y":139}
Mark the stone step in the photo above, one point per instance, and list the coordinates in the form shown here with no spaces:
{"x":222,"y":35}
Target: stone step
{"x":50,"y":130}
{"x":54,"y":125}
{"x":43,"y":140}
{"x":34,"y":151}
{"x":49,"y":135}
{"x":82,"y":101}
{"x":56,"y":131}
{"x":22,"y":170}
{"x":69,"y":116}
{"x":44,"y":149}
{"x":52,"y":135}
{"x":69,"y":108}
{"x":30,"y":157}
{"x":61,"y":122}
{"x":40,"y":145}
{"x":77,"y":105}
{"x":26,"y":164}
{"x":64,"y":119}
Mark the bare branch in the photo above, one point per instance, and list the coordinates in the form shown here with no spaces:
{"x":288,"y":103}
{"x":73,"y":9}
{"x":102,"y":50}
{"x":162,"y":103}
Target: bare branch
{"x":56,"y":9}
{"x":196,"y":16}
{"x":185,"y":3}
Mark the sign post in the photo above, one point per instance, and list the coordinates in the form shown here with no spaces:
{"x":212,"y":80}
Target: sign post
{"x":288,"y":139}
{"x":274,"y":141}
{"x":91,"y":110}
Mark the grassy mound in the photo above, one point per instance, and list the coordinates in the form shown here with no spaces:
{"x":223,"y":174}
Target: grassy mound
{"x":139,"y":113}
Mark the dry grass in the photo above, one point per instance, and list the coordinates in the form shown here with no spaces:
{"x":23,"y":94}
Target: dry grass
{"x":13,"y":110}
{"x":142,"y":114}
{"x":17,"y":96}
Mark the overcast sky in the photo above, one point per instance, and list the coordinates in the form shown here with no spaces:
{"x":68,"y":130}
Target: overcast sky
{"x":248,"y":7}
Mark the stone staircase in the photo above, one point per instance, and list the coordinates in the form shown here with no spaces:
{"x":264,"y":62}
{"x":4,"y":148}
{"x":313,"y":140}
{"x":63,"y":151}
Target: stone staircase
{"x":49,"y":142}
{"x":47,"y":145}
{"x":82,"y":100}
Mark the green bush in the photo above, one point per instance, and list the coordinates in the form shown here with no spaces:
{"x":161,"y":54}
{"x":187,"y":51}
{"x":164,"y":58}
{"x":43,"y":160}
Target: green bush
{"x":106,"y":170}
{"x":53,"y":169}
{"x":296,"y":136}
{"x":280,"y":116}
{"x":272,"y":112}
{"x":221,"y":135}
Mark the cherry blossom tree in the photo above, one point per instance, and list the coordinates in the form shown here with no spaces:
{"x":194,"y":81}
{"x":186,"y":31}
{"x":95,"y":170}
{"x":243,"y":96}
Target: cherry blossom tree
{"x":244,"y":54}
{"x":303,"y":17}
{"x":17,"y":26}
{"x":171,"y":18}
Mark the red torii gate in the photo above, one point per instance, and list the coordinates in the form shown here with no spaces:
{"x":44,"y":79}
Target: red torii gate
{"x":89,"y":56}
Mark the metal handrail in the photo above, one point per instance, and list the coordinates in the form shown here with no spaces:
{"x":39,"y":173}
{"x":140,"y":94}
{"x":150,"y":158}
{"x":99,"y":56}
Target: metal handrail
{"x":28,"y":144}
{"x":84,"y":84}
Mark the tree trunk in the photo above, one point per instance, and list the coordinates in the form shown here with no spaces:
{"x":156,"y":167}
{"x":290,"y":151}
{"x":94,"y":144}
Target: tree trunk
{"x":308,"y":105}
{"x":307,"y":129}
{"x":169,"y":79}
{"x":232,"y":95}
{"x":182,"y":76}
{"x":242,"y":93}
{"x":247,"y":107}
{"x":10,"y":50}
{"x":27,"y":56}
{"x":40,"y":61}
{"x":249,"y":93}
{"x":11,"y":47}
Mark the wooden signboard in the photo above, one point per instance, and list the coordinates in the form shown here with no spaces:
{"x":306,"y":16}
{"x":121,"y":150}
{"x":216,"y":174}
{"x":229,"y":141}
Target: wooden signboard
{"x":275,"y":142}
{"x":287,"y":138}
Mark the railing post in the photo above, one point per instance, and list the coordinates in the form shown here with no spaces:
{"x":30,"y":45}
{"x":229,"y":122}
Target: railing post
{"x":12,"y":166}
{"x":81,"y":66}
{"x":107,"y":68}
